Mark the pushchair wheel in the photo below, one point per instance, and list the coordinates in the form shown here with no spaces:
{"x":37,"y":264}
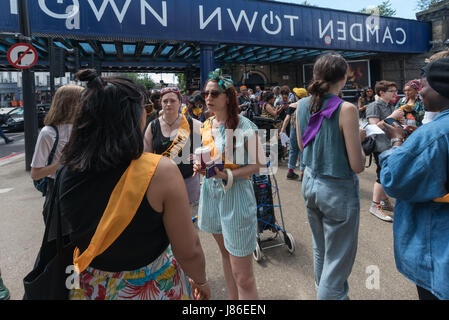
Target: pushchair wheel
{"x":290,"y":242}
{"x":257,"y":254}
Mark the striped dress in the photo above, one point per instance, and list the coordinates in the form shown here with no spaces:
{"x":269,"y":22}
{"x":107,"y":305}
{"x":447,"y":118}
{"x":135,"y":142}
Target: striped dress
{"x":233,"y":213}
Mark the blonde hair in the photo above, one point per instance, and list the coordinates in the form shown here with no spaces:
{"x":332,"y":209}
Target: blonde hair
{"x":64,"y":105}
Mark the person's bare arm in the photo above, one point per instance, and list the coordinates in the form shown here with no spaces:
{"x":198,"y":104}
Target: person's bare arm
{"x":373,"y":120}
{"x":148,"y":140}
{"x":39,"y":173}
{"x":286,"y":122}
{"x":298,"y":134}
{"x":349,"y":125}
{"x":167,"y":193}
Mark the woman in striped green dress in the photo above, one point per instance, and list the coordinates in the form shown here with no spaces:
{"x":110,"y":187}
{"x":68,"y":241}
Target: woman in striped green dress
{"x":227,"y":206}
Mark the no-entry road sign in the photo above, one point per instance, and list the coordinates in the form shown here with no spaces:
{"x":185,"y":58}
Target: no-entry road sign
{"x":22,"y":56}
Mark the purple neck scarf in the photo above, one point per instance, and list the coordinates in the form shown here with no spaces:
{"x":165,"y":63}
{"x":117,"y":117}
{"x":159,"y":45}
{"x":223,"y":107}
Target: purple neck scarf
{"x":316,"y":119}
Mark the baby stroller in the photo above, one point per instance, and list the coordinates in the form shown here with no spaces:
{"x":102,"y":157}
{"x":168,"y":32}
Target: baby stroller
{"x":268,"y":204}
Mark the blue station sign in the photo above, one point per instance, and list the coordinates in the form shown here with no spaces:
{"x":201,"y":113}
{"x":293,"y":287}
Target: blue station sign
{"x":249,"y":22}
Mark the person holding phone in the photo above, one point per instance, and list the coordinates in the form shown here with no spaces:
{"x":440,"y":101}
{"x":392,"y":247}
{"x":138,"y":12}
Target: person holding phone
{"x":376,"y":112}
{"x":227,"y":207}
{"x":415,"y":172}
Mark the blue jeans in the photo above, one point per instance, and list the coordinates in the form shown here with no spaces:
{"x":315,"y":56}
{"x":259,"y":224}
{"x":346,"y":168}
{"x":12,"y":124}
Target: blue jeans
{"x":294,"y":152}
{"x":333,"y":209}
{"x":3,"y":135}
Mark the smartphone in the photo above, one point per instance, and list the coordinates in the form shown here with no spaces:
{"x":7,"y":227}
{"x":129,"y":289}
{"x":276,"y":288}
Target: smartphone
{"x":390,"y":121}
{"x":210,"y":172}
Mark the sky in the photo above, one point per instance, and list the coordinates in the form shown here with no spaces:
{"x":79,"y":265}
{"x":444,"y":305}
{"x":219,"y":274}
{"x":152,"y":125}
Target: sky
{"x":404,"y":8}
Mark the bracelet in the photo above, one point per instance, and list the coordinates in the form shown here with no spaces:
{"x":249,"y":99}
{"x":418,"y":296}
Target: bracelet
{"x":396,"y":140}
{"x":229,"y":182}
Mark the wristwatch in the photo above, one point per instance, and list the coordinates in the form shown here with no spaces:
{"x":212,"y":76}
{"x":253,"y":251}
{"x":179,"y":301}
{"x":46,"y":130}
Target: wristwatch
{"x":396,"y":140}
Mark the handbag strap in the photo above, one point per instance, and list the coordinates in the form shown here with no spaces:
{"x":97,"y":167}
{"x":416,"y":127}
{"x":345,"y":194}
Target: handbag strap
{"x":121,"y":209}
{"x":55,"y":145}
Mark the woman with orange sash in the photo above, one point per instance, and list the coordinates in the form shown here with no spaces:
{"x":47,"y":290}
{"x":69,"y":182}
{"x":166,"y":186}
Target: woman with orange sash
{"x":175,"y":136}
{"x":126,"y":211}
{"x":227,"y":206}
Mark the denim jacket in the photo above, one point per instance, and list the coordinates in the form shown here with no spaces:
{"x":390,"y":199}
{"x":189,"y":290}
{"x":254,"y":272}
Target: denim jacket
{"x":415,"y":174}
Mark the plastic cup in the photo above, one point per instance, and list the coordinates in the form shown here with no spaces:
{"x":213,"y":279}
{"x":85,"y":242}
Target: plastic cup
{"x":202,"y":155}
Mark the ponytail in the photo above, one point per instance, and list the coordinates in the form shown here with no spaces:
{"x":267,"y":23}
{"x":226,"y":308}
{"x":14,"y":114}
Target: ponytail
{"x":318,"y":89}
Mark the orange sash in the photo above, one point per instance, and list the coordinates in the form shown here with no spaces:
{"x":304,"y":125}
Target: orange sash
{"x":180,"y":141}
{"x":208,"y":140}
{"x":444,"y":199}
{"x":121,"y":209}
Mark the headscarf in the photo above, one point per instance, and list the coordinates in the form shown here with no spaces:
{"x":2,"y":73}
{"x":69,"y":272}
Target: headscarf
{"x":414,"y":84}
{"x":223,"y":83}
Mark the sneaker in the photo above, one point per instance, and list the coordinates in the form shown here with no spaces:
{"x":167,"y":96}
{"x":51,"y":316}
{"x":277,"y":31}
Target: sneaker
{"x":386,"y":205}
{"x":292,"y":176}
{"x":4,"y":292}
{"x":9,"y":141}
{"x":376,"y":210}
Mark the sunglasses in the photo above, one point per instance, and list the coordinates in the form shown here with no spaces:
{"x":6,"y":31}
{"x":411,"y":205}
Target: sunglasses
{"x":214,"y":94}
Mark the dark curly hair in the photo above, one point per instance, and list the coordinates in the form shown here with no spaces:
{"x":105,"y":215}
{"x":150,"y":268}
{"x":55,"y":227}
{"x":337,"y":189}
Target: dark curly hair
{"x":107,"y":131}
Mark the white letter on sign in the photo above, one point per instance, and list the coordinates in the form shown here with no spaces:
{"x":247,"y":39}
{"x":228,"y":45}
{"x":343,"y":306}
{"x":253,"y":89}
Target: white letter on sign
{"x":264,"y":23}
{"x":292,"y":24}
{"x":118,"y":14}
{"x":243,"y":16}
{"x":203,"y":24}
{"x":163,"y":20}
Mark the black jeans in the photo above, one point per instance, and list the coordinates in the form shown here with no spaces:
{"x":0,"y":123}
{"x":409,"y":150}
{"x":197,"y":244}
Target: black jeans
{"x":425,"y":294}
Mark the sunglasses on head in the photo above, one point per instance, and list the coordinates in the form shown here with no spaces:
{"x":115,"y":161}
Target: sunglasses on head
{"x":213,"y":93}
{"x":170,"y":89}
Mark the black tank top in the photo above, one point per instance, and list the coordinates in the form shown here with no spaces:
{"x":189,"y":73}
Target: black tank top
{"x":162,"y":143}
{"x":83,"y":199}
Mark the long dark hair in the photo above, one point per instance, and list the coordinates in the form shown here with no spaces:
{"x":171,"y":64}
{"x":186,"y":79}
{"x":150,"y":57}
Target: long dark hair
{"x":328,"y":69}
{"x":365,"y":97}
{"x":107,"y":132}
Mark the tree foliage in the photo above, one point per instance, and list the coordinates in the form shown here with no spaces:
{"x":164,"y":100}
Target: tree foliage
{"x":142,"y":78}
{"x":426,"y":4}
{"x":384,"y":9}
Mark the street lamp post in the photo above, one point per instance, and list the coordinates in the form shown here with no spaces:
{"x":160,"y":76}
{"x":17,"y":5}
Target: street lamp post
{"x":29,"y":102}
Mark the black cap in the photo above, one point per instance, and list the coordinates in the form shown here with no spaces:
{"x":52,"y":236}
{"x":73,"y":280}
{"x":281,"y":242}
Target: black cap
{"x":437,"y":74}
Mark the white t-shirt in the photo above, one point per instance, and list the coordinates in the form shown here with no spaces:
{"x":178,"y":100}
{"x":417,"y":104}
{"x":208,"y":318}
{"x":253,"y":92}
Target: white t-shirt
{"x":45,"y":143}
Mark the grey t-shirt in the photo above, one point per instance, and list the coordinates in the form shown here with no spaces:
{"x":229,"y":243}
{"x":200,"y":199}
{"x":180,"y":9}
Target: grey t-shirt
{"x":379,"y":109}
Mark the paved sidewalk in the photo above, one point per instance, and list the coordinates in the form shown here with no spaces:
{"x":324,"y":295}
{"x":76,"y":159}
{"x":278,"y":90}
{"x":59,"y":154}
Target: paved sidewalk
{"x":279,"y":275}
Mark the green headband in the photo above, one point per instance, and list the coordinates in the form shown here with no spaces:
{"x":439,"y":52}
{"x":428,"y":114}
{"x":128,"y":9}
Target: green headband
{"x":223,"y":82}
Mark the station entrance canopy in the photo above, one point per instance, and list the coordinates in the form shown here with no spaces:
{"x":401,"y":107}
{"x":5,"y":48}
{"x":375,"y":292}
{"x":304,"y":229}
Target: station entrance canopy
{"x":172,"y":35}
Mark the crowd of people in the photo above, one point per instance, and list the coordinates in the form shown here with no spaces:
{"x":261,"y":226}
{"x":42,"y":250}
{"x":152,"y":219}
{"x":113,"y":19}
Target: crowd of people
{"x":102,"y":135}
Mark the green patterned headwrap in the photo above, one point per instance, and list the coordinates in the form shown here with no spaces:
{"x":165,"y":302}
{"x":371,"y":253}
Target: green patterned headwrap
{"x":224,"y":83}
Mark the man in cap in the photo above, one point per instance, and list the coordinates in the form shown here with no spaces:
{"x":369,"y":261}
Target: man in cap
{"x":244,"y":99}
{"x":416,"y":173}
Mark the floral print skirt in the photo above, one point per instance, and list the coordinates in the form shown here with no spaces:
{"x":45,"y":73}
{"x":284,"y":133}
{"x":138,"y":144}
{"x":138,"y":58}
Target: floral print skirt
{"x":163,"y":279}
